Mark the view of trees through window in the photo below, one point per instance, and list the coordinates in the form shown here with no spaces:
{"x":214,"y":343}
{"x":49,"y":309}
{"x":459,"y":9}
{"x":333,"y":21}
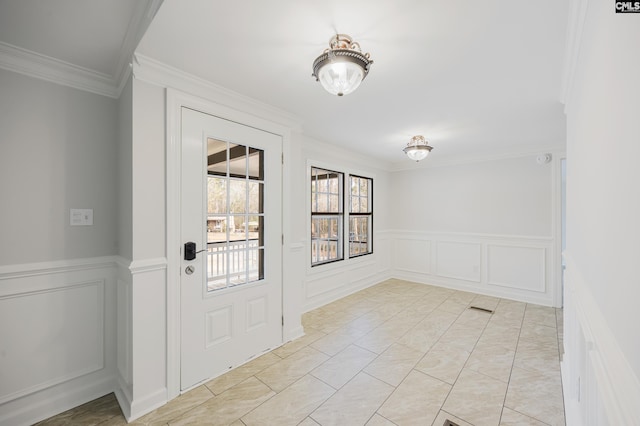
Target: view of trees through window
{"x":235,"y":214}
{"x":327,"y":217}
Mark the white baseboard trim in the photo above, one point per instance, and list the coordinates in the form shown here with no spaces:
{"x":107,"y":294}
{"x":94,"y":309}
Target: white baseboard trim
{"x":34,"y":408}
{"x":142,"y":406}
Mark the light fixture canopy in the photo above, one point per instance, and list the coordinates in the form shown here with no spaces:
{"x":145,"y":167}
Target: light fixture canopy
{"x":342,"y":67}
{"x":418,"y":148}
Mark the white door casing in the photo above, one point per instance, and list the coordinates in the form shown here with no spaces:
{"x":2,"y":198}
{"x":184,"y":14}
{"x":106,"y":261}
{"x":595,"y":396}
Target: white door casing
{"x":224,"y":327}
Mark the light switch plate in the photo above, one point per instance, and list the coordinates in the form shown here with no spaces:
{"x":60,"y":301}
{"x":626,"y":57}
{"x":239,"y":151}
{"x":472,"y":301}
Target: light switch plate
{"x":81,"y":217}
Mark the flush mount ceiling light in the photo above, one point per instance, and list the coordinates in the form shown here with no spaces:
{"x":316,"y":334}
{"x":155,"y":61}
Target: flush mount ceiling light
{"x":418,"y":148}
{"x":342,"y":67}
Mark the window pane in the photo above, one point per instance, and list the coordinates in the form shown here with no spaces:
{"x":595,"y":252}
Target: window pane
{"x":237,"y":160}
{"x":238,"y":195}
{"x":334,"y":206}
{"x":256,"y":164}
{"x":216,"y":157}
{"x":256,"y":201}
{"x":216,"y":195}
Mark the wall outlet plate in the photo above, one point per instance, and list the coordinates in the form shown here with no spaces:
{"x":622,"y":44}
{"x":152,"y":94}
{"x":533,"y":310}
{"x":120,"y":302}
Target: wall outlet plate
{"x":81,"y":217}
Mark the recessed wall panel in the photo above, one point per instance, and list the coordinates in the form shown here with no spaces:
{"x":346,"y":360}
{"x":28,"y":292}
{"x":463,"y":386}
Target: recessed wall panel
{"x":49,"y":337}
{"x":218,"y":326}
{"x":517,"y":267}
{"x":256,"y":313}
{"x":413,"y":255}
{"x":459,"y":260}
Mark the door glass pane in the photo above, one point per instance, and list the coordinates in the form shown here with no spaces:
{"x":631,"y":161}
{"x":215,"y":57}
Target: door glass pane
{"x":235,"y":214}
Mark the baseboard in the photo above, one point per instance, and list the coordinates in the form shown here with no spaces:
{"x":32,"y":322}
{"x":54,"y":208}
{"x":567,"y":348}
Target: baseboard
{"x":50,"y":402}
{"x":142,"y":406}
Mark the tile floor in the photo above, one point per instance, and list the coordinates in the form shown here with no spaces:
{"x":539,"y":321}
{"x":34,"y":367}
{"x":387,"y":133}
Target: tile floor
{"x":398,"y":353}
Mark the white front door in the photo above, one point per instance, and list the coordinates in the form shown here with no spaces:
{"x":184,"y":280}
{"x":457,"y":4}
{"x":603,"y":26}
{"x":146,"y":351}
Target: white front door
{"x":231,"y":228}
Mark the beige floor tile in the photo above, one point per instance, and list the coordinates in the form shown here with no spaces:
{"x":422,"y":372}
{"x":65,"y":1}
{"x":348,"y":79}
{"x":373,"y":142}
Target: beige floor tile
{"x":229,"y":406}
{"x":476,"y":398}
{"x":240,"y":374}
{"x":295,"y":345}
{"x":393,"y":365}
{"x":416,"y":401}
{"x":512,"y":418}
{"x":443,"y":416}
{"x":463,"y":297}
{"x":421,"y":338}
{"x":485,"y":302}
{"x":176,"y":407}
{"x":338,"y":370}
{"x":536,"y":395}
{"x":542,"y":315}
{"x":292,"y":405}
{"x":473,"y":318}
{"x":378,"y":420}
{"x":355,"y":403}
{"x":336,"y":341}
{"x":492,"y":361}
{"x":462,"y":336}
{"x":539,"y":334}
{"x":443,"y":362}
{"x":453,"y":307}
{"x":500,"y":335}
{"x":91,"y":413}
{"x":308,"y":422}
{"x":290,"y":369}
{"x":537,"y":358}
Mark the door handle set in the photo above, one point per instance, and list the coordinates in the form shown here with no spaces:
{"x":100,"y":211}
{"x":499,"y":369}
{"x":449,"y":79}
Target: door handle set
{"x":190,"y":251}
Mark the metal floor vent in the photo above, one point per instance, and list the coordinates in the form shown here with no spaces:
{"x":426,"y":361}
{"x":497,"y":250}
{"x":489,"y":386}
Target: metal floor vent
{"x":449,"y":423}
{"x":477,"y":308}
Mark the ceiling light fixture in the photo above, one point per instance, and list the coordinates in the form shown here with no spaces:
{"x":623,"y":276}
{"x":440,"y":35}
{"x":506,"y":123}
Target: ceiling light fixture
{"x":342,"y":67}
{"x":418,"y":148}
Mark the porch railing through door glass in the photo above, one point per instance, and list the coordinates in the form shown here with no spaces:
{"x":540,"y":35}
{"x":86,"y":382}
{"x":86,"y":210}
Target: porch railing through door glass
{"x":237,"y":259}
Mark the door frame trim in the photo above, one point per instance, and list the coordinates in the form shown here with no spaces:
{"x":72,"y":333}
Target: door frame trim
{"x":175,"y":101}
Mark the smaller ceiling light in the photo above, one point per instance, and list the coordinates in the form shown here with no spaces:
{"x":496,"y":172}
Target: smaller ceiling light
{"x":418,"y":148}
{"x":342,"y":67}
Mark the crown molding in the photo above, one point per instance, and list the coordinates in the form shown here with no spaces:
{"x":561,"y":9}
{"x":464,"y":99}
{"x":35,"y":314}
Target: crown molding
{"x":575,"y":26}
{"x":43,"y":67}
{"x":430,"y":162}
{"x":36,"y":65}
{"x":155,"y":72}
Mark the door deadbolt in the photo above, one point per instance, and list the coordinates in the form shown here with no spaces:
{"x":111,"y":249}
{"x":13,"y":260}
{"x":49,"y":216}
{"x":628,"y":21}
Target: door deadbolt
{"x":189,"y":270}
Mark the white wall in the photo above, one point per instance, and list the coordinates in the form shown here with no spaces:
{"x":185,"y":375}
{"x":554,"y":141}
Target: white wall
{"x":325,"y":283}
{"x":57,"y":152}
{"x":57,"y":284}
{"x":602,"y":343}
{"x":503,"y":197}
{"x":486,"y":227}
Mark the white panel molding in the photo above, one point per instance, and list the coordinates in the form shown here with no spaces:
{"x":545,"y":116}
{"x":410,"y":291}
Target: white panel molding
{"x":493,"y":268}
{"x":457,"y":272}
{"x":148,"y":265}
{"x":92,"y":280}
{"x":591,"y":349}
{"x":480,"y":281}
{"x":24,"y":270}
{"x":412,"y":254}
{"x":94,"y":365}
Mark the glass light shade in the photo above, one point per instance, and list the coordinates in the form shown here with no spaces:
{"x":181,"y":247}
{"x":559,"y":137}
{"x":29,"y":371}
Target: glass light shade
{"x":417,"y":154}
{"x":342,"y":67}
{"x":340,"y":78}
{"x":418,"y":148}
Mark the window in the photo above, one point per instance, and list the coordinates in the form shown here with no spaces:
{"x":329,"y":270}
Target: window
{"x":360,"y":216}
{"x":327,"y":188}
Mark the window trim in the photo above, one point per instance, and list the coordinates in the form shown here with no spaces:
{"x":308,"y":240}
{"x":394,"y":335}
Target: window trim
{"x":340,"y":215}
{"x":359,"y":214}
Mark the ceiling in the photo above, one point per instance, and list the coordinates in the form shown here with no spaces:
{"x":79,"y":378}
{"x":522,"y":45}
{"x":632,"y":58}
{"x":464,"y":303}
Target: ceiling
{"x":477,"y":79}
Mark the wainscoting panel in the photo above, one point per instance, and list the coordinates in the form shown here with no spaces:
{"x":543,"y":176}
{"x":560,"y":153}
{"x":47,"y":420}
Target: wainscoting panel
{"x":57,"y":337}
{"x":458,"y":260}
{"x":50,"y":336}
{"x":412,"y":255}
{"x":513,"y":267}
{"x":517,"y":267}
{"x":600,"y":386}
